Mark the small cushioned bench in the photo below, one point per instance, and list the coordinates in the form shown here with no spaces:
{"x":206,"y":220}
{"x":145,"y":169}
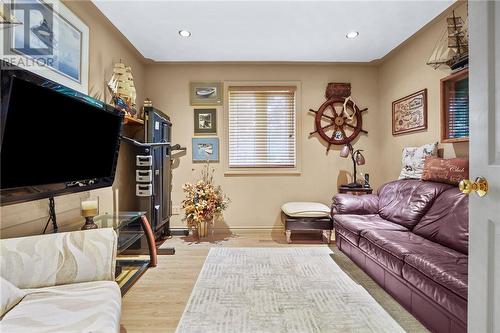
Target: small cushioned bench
{"x":307,"y":216}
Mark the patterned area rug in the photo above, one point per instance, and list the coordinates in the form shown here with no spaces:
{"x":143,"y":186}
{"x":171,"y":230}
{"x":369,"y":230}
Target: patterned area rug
{"x":279,"y":290}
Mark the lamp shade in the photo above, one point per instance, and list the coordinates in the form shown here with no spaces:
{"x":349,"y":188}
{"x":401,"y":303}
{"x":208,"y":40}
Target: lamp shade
{"x":360,"y":159}
{"x":345,"y":151}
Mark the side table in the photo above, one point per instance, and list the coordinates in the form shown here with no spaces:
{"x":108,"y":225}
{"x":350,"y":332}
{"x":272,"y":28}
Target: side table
{"x":355,"y":190}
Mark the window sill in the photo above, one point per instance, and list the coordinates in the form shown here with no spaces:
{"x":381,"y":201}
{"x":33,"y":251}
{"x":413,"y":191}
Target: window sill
{"x":262,"y":172}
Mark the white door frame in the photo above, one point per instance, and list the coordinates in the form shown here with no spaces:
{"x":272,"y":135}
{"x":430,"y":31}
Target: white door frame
{"x":484,"y":154}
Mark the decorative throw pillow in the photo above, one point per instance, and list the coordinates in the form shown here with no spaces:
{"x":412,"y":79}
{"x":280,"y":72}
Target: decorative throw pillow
{"x":414,"y":158}
{"x":10,"y":295}
{"x":446,"y":170}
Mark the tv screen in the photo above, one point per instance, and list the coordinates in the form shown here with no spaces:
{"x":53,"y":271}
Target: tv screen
{"x":49,"y":137}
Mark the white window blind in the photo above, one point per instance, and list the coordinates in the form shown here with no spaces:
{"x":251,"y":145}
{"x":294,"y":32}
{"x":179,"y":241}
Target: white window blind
{"x":262,"y":127}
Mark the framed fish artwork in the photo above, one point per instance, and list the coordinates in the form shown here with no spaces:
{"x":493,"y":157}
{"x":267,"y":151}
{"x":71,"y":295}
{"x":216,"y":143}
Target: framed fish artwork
{"x":205,"y":93}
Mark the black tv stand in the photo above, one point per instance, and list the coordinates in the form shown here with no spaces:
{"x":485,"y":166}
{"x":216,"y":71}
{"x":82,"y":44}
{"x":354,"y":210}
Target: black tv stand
{"x":52,"y":216}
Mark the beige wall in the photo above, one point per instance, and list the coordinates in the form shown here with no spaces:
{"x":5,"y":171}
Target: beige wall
{"x":402,"y":72}
{"x":106,"y":46}
{"x":256,"y":200}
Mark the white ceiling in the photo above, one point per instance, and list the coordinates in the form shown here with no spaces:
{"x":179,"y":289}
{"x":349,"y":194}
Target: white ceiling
{"x":269,"y":30}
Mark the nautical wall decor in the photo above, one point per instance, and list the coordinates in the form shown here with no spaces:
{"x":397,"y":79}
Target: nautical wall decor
{"x":452,"y":49}
{"x":122,"y":88}
{"x":338,"y":120}
{"x":54,"y":43}
{"x":205,"y":93}
{"x":409,"y":114}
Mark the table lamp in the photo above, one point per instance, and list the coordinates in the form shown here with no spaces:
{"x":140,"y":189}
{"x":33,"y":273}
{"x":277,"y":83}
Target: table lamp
{"x":357,"y":159}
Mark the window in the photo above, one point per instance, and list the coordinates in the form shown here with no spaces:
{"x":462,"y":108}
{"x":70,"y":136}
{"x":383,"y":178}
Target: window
{"x":262,"y":127}
{"x":455,"y":107}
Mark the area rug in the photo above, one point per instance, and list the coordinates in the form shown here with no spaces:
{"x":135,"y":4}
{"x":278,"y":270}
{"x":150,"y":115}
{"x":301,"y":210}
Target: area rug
{"x":279,"y":290}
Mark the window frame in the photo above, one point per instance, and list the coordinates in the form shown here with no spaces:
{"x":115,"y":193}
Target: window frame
{"x":242,"y":171}
{"x":445,"y":112}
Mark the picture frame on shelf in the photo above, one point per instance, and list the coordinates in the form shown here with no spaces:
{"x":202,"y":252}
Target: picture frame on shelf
{"x":205,"y":93}
{"x":205,"y":121}
{"x":58,"y":43}
{"x":409,"y":114}
{"x":205,"y":149}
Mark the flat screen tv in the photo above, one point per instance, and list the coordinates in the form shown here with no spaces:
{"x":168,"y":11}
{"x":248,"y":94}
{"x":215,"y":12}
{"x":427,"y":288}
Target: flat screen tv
{"x":54,"y":140}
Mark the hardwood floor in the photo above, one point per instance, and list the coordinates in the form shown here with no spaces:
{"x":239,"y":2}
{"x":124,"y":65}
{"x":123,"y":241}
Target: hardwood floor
{"x":156,"y":302}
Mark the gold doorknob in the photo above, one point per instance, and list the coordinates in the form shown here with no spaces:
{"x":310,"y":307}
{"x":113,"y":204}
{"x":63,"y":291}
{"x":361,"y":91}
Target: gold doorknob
{"x":480,"y":186}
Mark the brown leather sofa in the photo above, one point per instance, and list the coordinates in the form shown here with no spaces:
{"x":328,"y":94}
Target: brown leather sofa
{"x":412,"y":239}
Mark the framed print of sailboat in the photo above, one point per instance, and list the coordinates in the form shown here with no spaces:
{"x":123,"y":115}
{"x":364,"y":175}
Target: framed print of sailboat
{"x":50,"y":41}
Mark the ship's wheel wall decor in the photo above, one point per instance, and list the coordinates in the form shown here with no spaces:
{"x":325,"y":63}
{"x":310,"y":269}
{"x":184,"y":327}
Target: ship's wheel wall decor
{"x":338,"y":120}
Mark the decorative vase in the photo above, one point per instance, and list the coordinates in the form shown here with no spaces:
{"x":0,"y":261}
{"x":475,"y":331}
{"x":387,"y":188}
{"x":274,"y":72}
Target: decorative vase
{"x":202,"y":228}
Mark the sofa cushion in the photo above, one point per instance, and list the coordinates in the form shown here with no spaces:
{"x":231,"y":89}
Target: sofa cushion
{"x":305,"y":209}
{"x":347,"y":234}
{"x":10,"y":295}
{"x":447,"y":221}
{"x":448,"y":271}
{"x":355,"y":224}
{"x":80,"y":307}
{"x":446,"y":170}
{"x":405,"y":201}
{"x":343,"y":203}
{"x":400,"y":244}
{"x":442,"y":296}
{"x":381,"y":256}
{"x":59,"y":258}
{"x":414,"y":158}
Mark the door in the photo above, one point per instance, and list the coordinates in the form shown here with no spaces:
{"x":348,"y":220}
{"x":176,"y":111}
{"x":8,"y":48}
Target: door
{"x":484,"y":147}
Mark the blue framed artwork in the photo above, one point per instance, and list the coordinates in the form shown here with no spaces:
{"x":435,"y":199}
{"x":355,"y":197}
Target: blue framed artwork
{"x":205,"y":149}
{"x":51,"y":41}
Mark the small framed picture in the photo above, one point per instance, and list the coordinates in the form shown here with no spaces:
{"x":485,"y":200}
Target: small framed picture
{"x":205,"y":121}
{"x":205,"y":93}
{"x":409,"y":114}
{"x":205,"y":149}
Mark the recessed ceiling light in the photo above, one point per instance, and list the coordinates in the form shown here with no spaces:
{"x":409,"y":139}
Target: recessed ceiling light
{"x":184,"y":33}
{"x":352,"y":34}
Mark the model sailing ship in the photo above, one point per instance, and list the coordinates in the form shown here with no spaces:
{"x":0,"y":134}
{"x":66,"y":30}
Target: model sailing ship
{"x":452,"y":48}
{"x":6,"y":18}
{"x":122,"y":88}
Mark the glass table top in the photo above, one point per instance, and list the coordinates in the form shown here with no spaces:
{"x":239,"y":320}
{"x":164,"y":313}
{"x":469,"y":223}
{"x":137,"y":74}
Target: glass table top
{"x":117,"y":221}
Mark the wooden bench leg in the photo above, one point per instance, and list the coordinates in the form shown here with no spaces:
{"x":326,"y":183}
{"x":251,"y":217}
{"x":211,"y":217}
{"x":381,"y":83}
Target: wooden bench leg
{"x":288,"y":236}
{"x":327,"y":235}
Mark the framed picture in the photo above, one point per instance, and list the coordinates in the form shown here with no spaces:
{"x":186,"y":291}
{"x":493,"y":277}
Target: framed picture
{"x":51,"y":42}
{"x":206,"y":93}
{"x":409,"y":114}
{"x":205,"y":121}
{"x":205,"y":149}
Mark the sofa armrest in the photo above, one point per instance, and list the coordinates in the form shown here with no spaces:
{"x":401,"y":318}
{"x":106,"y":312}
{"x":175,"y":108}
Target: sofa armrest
{"x":355,"y":204}
{"x":61,"y":258}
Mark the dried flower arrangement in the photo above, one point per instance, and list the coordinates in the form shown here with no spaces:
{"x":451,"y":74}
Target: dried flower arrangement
{"x":204,"y":202}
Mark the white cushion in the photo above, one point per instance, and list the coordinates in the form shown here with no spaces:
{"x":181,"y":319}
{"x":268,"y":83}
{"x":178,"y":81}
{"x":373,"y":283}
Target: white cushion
{"x":78,"y":307}
{"x":305,"y":209}
{"x":10,"y":294}
{"x":414,"y":158}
